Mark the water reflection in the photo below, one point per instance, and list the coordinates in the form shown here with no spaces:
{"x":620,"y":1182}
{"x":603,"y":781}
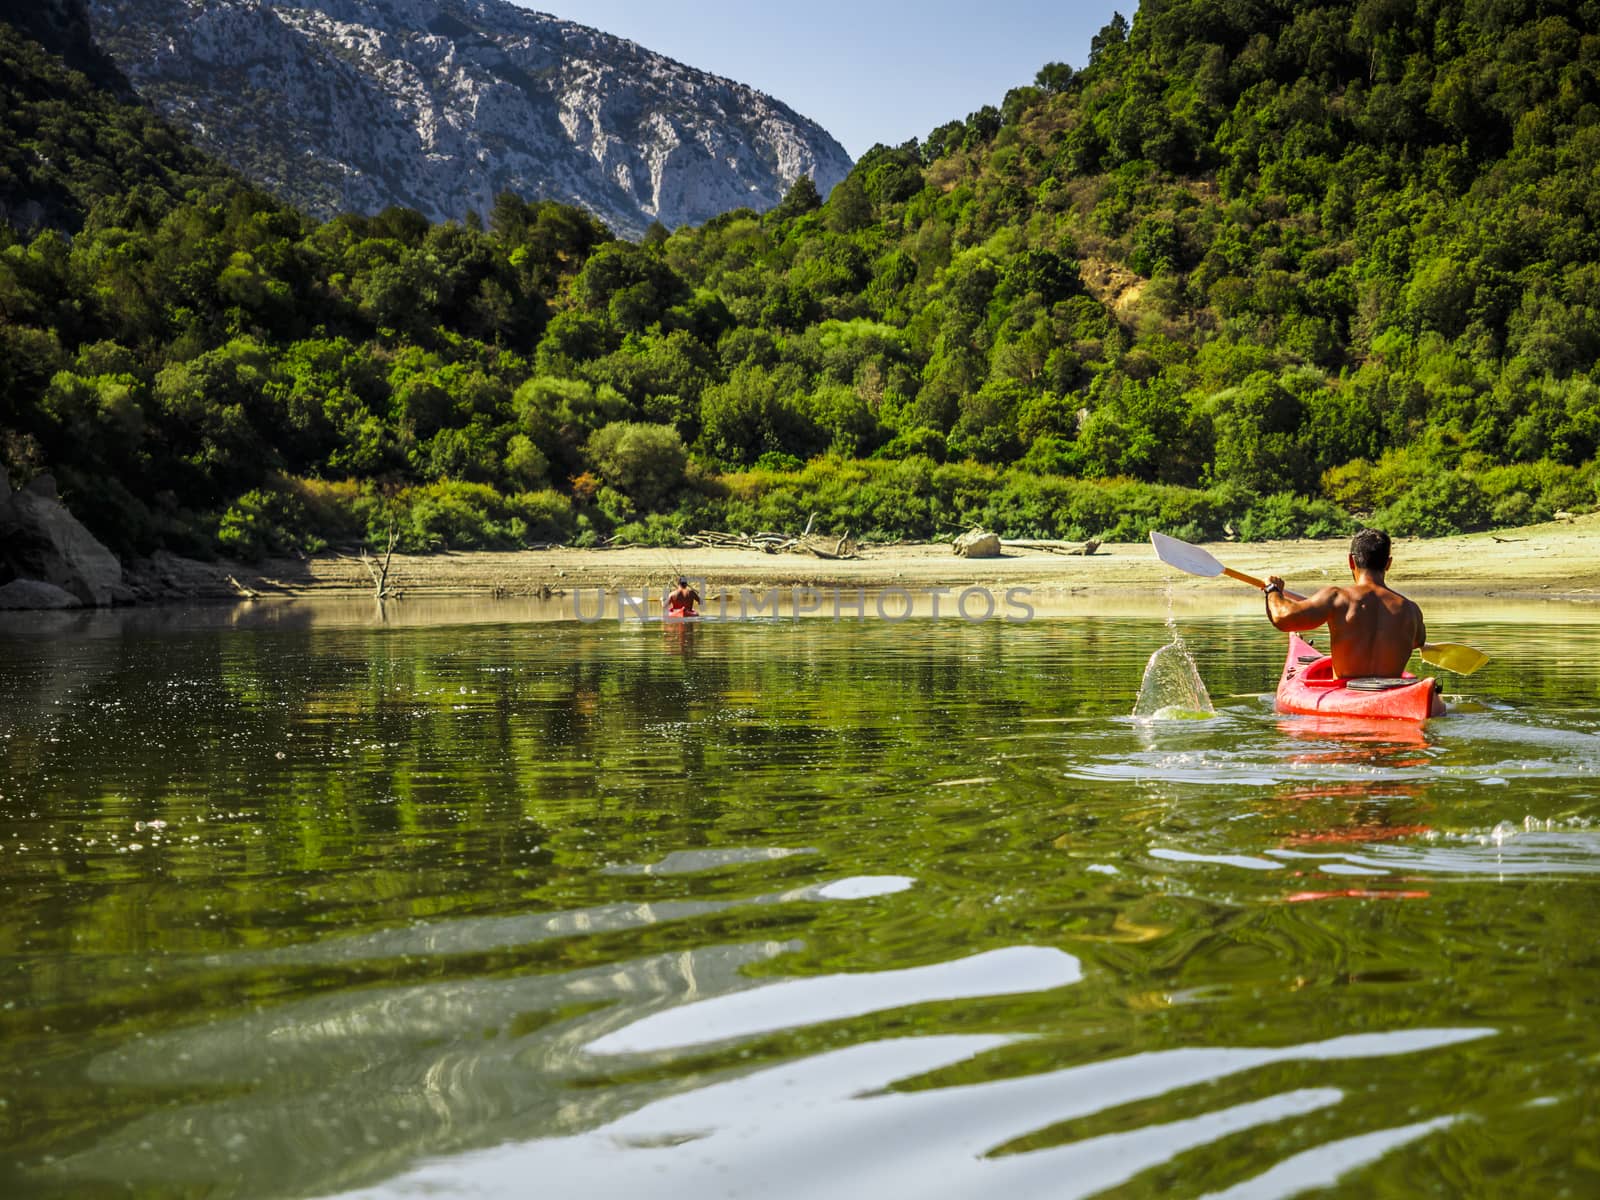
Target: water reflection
{"x":851,"y":1126}
{"x":803,"y":1002}
{"x":307,"y":907}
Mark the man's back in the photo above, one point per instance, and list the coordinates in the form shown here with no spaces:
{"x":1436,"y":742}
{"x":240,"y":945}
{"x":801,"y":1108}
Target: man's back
{"x":1373,"y":630}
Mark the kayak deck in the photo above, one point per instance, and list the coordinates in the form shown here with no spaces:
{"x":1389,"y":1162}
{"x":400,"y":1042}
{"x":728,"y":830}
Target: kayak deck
{"x":1308,"y":685}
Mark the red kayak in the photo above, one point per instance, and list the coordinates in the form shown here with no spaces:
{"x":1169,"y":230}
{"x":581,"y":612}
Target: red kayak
{"x":1309,"y":686}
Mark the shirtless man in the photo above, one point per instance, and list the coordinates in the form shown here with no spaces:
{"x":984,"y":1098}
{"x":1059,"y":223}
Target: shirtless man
{"x":682,"y":600}
{"x":1373,"y":629}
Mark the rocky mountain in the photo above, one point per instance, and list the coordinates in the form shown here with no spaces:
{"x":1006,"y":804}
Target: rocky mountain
{"x":62,"y":28}
{"x":73,"y":134}
{"x":354,"y":105}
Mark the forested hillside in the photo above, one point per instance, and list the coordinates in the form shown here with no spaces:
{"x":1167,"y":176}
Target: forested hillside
{"x":1268,"y":264}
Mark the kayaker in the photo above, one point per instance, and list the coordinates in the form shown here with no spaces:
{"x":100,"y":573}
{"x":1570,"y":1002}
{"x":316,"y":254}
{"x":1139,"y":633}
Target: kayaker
{"x":1373,"y":629}
{"x":682,"y":600}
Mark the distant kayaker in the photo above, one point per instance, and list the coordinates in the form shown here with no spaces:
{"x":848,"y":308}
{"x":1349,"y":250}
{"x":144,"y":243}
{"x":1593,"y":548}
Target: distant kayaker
{"x":683,"y":600}
{"x":1373,"y":629}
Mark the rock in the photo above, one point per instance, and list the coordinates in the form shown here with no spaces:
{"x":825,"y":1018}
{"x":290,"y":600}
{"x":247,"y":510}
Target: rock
{"x":440,"y":105}
{"x":40,"y":540}
{"x":167,"y":576}
{"x":978,"y":543}
{"x":34,"y":593}
{"x":5,"y":486}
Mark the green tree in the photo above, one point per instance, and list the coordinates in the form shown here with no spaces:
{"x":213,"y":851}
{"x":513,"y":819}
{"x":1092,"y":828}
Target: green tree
{"x":644,"y":462}
{"x":801,"y":198}
{"x":849,"y":209}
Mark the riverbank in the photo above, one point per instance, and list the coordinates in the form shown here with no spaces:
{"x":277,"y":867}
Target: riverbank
{"x":1559,"y":560}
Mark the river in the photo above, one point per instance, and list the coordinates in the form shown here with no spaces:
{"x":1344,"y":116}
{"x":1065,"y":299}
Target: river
{"x":303,"y":903}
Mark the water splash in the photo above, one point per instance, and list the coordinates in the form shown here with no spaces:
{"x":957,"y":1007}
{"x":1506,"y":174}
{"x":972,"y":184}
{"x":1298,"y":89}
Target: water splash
{"x":1172,"y":688}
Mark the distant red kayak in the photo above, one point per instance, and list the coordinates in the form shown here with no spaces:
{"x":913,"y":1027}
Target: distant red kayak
{"x":1308,"y":685}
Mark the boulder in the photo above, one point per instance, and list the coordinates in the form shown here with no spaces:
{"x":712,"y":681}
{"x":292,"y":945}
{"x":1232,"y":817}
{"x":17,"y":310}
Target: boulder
{"x":34,"y":593}
{"x":978,"y":543}
{"x":41,"y":540}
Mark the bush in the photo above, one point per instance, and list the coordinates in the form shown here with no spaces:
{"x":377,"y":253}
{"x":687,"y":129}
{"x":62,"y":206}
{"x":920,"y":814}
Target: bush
{"x":263,"y":522}
{"x":547,"y":515}
{"x":1052,"y":455}
{"x":452,"y":515}
{"x":1445,"y":503}
{"x":1523,"y":493}
{"x":777,"y":460}
{"x":1285,"y":515}
{"x":909,"y":443}
{"x":644,"y":462}
{"x":657,"y":529}
{"x":525,"y":463}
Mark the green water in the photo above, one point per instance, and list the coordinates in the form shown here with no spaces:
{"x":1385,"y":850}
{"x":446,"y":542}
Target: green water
{"x":774,"y":909}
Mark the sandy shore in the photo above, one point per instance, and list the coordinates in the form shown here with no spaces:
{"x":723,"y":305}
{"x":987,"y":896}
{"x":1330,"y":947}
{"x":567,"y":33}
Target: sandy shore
{"x":1554,"y":561}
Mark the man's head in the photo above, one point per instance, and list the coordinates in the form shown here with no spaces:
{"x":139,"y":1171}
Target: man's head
{"x":1369,"y":550}
{"x":682,"y":582}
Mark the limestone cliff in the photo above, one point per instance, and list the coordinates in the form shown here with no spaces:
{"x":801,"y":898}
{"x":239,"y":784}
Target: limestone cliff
{"x":353,"y":105}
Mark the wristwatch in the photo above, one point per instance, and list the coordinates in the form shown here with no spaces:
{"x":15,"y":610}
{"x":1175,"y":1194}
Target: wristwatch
{"x":1273,"y":587}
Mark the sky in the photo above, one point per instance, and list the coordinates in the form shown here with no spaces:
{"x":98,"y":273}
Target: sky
{"x":867,"y":71}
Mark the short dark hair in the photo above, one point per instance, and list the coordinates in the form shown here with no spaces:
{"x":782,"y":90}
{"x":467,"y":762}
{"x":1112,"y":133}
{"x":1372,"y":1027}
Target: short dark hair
{"x":1370,"y":549}
{"x":682,"y":582}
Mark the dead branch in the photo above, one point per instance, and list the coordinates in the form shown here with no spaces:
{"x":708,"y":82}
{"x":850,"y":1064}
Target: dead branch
{"x":247,"y":593}
{"x":1051,"y":547}
{"x":380,"y":571}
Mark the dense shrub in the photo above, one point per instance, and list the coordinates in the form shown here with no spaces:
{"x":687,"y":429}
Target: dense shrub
{"x":1435,"y":506}
{"x":262,"y":522}
{"x":452,"y":515}
{"x":1285,"y":515}
{"x":644,"y":462}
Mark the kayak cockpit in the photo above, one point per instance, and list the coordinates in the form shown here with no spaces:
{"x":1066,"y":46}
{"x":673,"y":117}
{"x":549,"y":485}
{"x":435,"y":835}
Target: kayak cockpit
{"x":1309,"y":685}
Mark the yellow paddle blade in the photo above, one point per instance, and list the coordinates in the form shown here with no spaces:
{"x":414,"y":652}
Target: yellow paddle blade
{"x":1453,"y":656}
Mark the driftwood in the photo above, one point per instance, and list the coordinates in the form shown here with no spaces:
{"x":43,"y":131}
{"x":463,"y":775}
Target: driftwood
{"x":772,"y":542}
{"x":1052,"y":547}
{"x":839,"y":548}
{"x":247,"y":593}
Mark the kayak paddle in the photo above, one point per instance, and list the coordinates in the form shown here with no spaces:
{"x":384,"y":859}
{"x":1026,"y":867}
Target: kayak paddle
{"x":1452,"y":656}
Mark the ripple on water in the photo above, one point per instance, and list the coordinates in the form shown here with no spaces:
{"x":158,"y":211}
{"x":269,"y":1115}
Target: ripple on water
{"x":1547,"y":854}
{"x":664,"y":919}
{"x":849,"y":1121}
{"x":797,"y":1002}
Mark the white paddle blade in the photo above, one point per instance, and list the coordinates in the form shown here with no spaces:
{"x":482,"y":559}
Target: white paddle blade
{"x":1453,"y":656}
{"x":1189,"y":559}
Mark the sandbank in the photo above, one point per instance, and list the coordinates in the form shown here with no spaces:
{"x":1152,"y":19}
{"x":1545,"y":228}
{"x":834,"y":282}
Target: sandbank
{"x":1555,"y":561}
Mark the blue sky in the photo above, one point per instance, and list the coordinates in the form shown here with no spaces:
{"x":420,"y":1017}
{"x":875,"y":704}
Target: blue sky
{"x":867,"y":71}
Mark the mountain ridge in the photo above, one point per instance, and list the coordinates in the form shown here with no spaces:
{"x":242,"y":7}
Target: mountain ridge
{"x":439,"y":105}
